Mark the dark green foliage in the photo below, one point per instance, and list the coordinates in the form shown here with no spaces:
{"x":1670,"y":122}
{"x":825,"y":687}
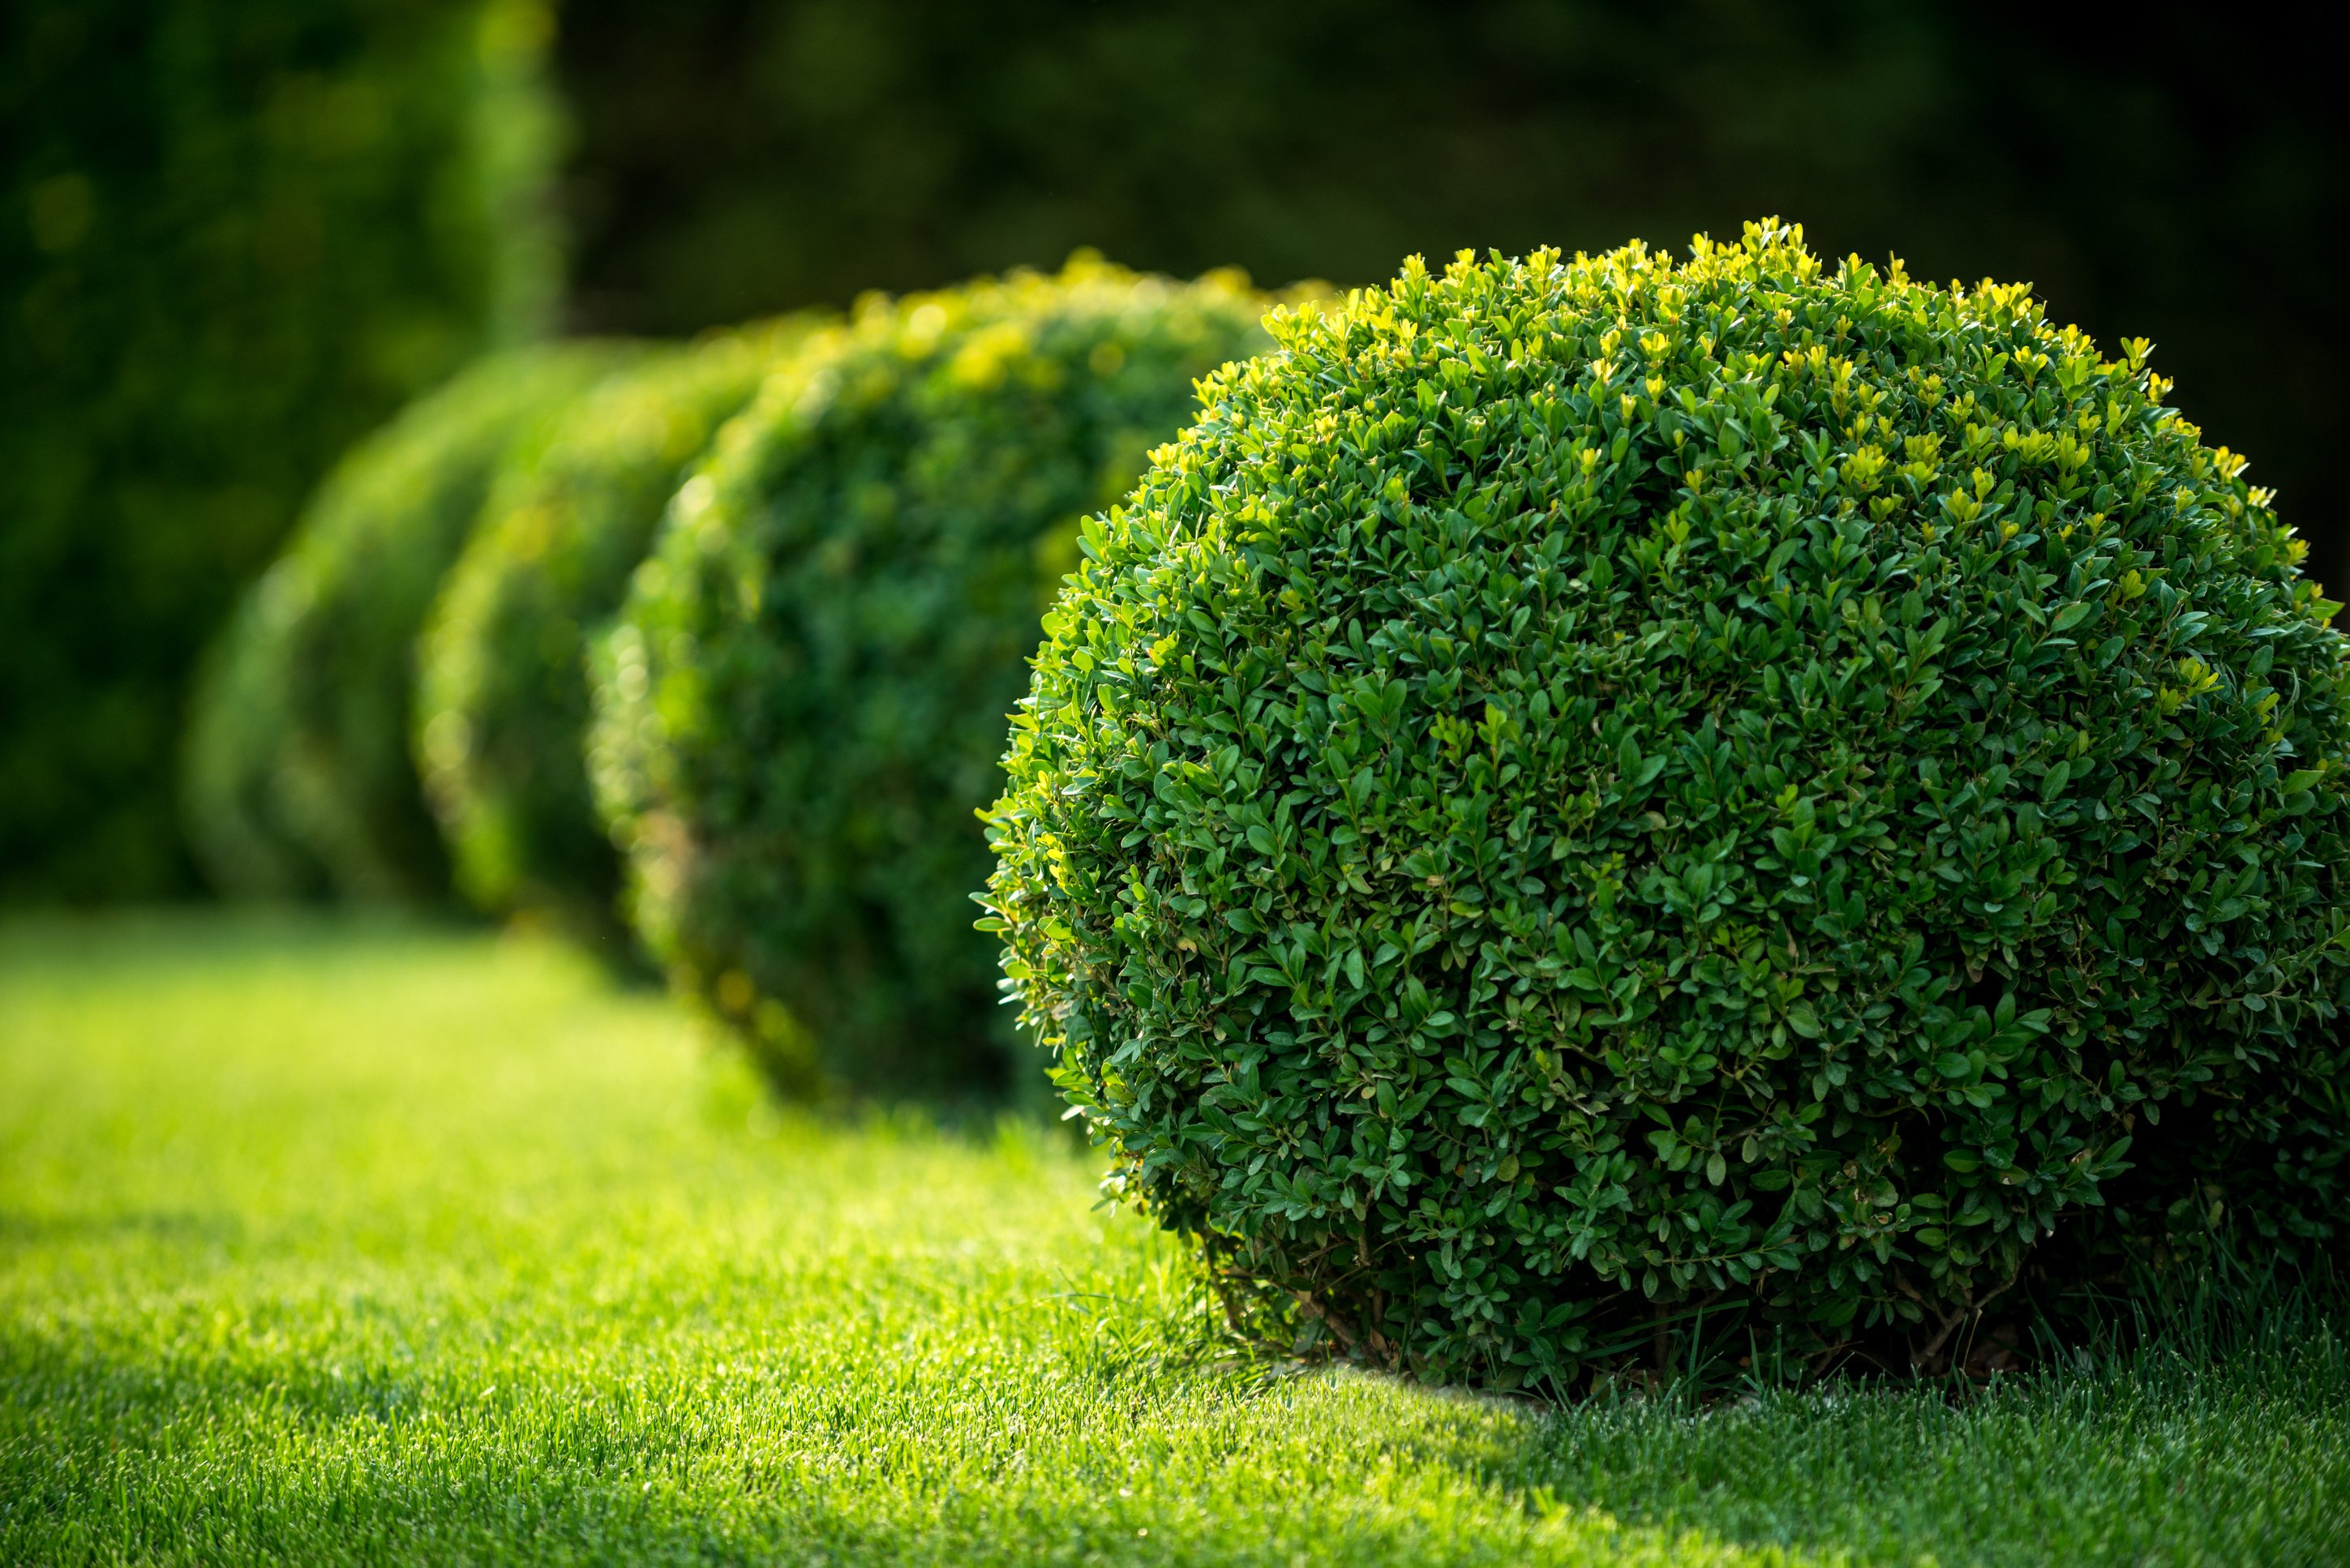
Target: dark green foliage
{"x":1584,"y":792}
{"x":233,"y":237}
{"x":502,"y":682}
{"x":802,"y":706}
{"x":297,"y":771}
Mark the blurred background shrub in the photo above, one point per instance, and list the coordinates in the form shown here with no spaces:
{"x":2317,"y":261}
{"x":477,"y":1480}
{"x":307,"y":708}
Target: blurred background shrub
{"x":502,"y":682}
{"x":236,"y":235}
{"x":299,"y":772}
{"x":801,"y":707}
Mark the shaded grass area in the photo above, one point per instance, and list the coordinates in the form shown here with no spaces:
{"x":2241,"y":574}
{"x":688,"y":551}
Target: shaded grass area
{"x":337,"y":1242}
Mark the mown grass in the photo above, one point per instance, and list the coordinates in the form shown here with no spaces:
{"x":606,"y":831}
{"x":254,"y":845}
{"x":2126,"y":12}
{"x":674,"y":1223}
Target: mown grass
{"x":345,"y":1244}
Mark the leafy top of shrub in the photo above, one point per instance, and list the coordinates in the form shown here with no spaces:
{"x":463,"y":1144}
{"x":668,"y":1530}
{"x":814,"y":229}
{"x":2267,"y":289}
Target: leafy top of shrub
{"x":1585,"y":790}
{"x":502,"y":685}
{"x":297,"y":772}
{"x":801,"y":708}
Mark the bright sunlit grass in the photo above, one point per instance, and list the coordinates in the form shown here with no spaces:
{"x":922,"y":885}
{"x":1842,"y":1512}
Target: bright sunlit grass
{"x":368,"y":1243}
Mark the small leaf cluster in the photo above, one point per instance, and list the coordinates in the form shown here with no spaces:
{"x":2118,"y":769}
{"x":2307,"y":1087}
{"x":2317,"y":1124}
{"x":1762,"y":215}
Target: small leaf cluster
{"x":298,"y":778}
{"x":1586,"y":791}
{"x":502,"y":705}
{"x":802,"y":705}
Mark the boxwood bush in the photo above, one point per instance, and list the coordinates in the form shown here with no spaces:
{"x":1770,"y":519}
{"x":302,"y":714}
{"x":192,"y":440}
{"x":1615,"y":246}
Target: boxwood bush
{"x":1586,"y":792}
{"x":297,"y":775}
{"x":502,"y":686}
{"x":801,"y":708}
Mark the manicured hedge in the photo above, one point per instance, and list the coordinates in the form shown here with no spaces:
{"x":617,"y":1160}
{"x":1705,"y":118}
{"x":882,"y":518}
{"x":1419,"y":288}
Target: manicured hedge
{"x":802,"y":706}
{"x":1586,"y":791}
{"x":502,"y":692}
{"x":238,"y":237}
{"x":297,"y":770}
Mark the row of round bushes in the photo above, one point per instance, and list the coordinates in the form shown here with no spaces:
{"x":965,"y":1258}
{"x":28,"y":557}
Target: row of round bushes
{"x":297,"y":776}
{"x":803,"y":699}
{"x":1556,"y":799}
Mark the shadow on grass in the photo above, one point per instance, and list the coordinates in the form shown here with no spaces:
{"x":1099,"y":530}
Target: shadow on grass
{"x":199,"y":1454}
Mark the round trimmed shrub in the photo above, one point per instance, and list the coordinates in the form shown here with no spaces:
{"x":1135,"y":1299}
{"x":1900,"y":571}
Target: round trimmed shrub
{"x":1582,"y":792}
{"x":800,"y":710}
{"x":502,"y":684}
{"x":298,"y":775}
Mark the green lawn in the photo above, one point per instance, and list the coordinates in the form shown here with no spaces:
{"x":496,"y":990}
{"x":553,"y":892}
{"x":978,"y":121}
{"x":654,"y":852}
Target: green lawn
{"x":359,"y":1244}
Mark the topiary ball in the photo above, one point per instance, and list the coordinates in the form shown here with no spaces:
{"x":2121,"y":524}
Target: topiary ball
{"x":1582,"y":792}
{"x":297,"y":771}
{"x":801,"y":708}
{"x":501,"y":706}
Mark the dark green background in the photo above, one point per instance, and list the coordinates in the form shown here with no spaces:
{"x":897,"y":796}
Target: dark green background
{"x":235,"y":235}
